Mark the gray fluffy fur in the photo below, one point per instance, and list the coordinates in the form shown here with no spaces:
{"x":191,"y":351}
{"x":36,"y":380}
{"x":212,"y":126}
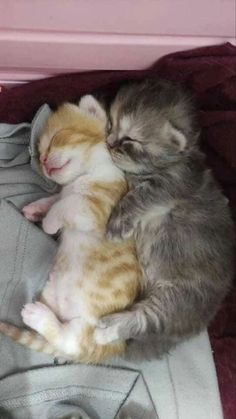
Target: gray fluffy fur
{"x":179,"y":217}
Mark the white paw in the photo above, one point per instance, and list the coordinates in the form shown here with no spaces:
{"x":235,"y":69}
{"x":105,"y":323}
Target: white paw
{"x":107,"y":335}
{"x":50,"y":226}
{"x":37,"y":316}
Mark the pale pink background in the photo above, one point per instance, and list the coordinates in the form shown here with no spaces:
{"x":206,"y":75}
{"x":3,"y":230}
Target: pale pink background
{"x":45,"y":37}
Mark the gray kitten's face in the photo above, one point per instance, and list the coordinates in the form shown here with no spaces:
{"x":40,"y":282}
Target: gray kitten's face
{"x":151,"y":125}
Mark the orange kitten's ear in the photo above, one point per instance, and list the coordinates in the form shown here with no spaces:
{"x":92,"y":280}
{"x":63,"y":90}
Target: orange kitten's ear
{"x":92,"y":107}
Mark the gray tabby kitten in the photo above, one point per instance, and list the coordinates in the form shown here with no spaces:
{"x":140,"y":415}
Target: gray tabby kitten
{"x":180,"y":219}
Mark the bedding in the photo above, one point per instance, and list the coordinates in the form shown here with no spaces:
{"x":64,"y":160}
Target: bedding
{"x":211,"y":75}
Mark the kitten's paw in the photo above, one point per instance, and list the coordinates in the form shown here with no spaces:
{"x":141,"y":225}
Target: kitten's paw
{"x":37,"y":316}
{"x":51,"y":225}
{"x":114,"y":327}
{"x":33,"y":212}
{"x":36,"y":210}
{"x":106,"y":336}
{"x":119,"y":228}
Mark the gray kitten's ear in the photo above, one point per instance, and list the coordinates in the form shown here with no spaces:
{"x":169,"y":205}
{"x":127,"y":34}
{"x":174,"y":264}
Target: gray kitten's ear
{"x":175,"y":137}
{"x":90,"y":105}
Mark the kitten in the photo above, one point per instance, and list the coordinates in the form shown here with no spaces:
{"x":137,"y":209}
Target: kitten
{"x":180,"y":219}
{"x":91,"y":276}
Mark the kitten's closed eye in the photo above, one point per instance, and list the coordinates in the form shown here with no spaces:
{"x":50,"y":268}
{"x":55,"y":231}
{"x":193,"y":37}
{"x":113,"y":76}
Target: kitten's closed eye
{"x":119,"y":142}
{"x":126,"y":140}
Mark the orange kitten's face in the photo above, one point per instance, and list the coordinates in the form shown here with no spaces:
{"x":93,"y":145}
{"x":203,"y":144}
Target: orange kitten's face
{"x":69,"y":141}
{"x":66,"y":155}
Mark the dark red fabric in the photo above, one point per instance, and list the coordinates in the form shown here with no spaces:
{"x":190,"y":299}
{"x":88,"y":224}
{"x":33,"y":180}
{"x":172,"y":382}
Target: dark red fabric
{"x":210,"y":73}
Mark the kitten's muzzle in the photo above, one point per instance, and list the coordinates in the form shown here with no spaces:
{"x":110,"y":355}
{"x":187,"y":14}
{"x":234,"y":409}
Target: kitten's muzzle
{"x":112,"y":142}
{"x":112,"y":146}
{"x":52,"y":167}
{"x":43,"y":158}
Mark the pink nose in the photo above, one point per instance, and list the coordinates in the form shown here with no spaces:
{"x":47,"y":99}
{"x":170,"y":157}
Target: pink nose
{"x":43,"y":159}
{"x":112,"y":145}
{"x":113,"y":142}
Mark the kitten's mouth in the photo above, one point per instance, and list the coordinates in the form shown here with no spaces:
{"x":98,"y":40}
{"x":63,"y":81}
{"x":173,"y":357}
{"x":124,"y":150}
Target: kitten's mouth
{"x":52,"y":170}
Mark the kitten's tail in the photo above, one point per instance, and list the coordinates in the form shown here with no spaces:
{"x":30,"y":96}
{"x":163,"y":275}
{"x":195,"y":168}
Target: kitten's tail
{"x":28,"y":338}
{"x":90,"y":352}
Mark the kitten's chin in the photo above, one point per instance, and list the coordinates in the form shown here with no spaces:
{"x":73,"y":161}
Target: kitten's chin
{"x":61,"y":178}
{"x":65,"y":176}
{"x":56,"y":176}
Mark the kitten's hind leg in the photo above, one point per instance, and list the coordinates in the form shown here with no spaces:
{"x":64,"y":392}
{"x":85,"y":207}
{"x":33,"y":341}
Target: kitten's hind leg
{"x":63,"y":336}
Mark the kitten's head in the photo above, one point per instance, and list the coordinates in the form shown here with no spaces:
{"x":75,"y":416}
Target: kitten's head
{"x":152,"y":124}
{"x":69,"y":139}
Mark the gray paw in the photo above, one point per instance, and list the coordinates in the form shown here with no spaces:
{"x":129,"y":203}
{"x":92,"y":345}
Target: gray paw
{"x":115,"y":327}
{"x":119,"y":226}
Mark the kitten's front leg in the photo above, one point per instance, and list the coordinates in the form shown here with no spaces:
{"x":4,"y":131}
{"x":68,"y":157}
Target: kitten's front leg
{"x":71,"y":212}
{"x":121,"y":223}
{"x":53,"y":221}
{"x":36,"y":210}
{"x":130,"y":210}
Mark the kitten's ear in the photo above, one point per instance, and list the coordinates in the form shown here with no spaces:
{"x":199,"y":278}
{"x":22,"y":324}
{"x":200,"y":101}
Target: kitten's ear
{"x":175,"y":137}
{"x":91,"y":106}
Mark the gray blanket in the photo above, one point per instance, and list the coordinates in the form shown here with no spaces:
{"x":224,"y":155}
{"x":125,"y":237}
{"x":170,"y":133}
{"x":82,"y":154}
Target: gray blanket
{"x":31,"y":385}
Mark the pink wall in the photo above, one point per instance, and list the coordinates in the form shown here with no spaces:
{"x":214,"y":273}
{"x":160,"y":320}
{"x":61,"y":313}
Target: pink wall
{"x":45,"y":37}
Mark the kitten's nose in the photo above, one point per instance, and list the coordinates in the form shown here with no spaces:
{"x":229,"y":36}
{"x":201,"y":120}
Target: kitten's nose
{"x":112,"y":141}
{"x":112,"y":145}
{"x":43,"y":159}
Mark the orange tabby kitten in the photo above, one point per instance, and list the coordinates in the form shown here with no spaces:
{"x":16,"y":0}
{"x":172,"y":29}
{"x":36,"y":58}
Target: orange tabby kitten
{"x":91,"y":276}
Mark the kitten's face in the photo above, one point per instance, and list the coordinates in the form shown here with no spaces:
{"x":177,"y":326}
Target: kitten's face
{"x":150,"y":126}
{"x":63,"y":158}
{"x":69,"y":139}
